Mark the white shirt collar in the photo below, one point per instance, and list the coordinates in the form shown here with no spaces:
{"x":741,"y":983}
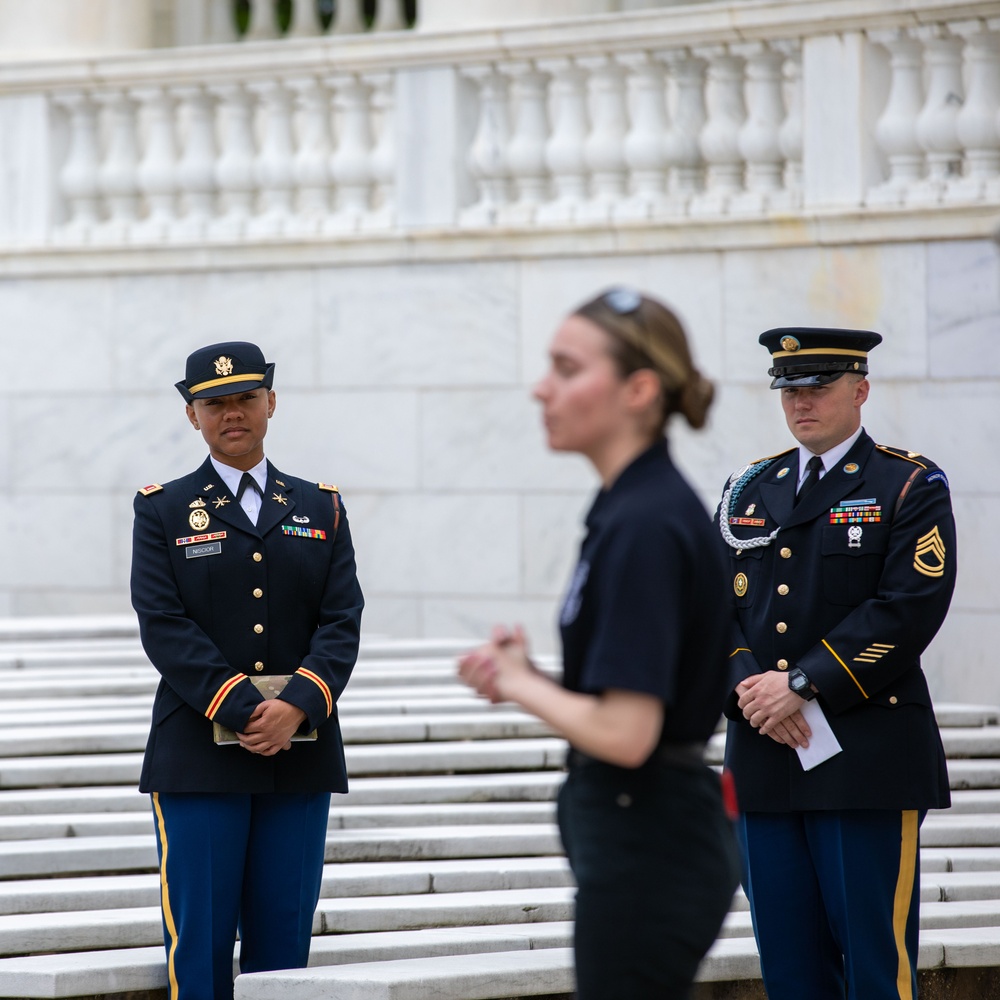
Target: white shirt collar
{"x":830,"y":458}
{"x":231,"y":477}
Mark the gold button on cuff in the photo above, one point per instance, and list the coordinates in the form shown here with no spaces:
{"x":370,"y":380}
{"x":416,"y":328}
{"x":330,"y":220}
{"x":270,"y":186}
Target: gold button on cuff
{"x":785,"y":553}
{"x":783,"y":589}
{"x":257,"y":592}
{"x":257,"y":556}
{"x":258,"y":629}
{"x":258,"y":665}
{"x":893,"y":700}
{"x":782,"y":664}
{"x":781,"y":627}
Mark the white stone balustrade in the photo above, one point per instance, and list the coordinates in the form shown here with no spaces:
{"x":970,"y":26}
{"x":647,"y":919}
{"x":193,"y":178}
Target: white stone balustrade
{"x":656,"y":116}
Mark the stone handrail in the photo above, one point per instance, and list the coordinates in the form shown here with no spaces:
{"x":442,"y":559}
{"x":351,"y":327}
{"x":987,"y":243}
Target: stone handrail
{"x":717,"y":111}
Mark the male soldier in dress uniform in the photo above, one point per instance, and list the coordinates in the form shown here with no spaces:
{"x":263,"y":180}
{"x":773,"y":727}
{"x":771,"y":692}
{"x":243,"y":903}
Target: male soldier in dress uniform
{"x":842,"y":556}
{"x":241,"y":574}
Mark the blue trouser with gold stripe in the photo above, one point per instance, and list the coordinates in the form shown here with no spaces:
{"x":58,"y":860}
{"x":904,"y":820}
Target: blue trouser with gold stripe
{"x":835,"y":898}
{"x":242,"y":863}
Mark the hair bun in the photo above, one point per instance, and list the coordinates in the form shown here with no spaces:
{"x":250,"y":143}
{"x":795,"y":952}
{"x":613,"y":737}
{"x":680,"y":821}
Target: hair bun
{"x":695,"y":399}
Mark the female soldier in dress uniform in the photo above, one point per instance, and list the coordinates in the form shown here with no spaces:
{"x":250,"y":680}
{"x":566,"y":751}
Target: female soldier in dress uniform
{"x":241,"y":573}
{"x":644,"y":660}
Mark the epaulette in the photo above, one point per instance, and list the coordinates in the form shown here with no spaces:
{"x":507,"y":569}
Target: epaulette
{"x":328,"y":487}
{"x":907,"y":456}
{"x":757,"y":466}
{"x":147,"y":490}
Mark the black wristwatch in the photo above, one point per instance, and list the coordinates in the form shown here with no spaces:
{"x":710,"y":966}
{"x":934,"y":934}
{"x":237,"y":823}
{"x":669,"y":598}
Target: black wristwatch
{"x":800,"y":684}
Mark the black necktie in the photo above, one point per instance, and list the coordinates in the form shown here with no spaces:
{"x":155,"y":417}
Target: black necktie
{"x":813,"y":467}
{"x":245,"y":481}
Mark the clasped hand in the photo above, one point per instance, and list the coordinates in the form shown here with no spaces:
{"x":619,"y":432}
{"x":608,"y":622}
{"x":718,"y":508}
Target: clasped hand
{"x":494,"y":669}
{"x":271,"y":727}
{"x":769,"y":705}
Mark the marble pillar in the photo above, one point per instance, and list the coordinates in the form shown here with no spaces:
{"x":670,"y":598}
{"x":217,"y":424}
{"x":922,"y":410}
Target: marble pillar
{"x":56,"y":28}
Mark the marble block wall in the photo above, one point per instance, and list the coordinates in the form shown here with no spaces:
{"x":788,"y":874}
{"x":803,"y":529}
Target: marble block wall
{"x":408,"y":384}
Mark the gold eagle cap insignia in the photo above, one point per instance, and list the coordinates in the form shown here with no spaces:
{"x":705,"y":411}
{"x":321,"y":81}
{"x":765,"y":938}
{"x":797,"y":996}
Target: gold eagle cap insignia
{"x":223,"y":365}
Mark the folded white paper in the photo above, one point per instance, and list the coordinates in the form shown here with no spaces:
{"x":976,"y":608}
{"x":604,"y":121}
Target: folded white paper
{"x":823,"y":744}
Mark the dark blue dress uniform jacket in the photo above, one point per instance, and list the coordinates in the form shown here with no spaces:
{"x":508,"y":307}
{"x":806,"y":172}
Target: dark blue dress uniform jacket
{"x":281,"y":597}
{"x":855,"y":618}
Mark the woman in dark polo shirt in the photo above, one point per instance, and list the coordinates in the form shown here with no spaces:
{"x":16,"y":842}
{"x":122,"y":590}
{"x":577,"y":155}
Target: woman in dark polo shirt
{"x":644,"y":628}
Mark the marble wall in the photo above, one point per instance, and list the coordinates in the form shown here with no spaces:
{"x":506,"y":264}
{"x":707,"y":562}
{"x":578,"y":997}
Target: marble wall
{"x":409,"y":386}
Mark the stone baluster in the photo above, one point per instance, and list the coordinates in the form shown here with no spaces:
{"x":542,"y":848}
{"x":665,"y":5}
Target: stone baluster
{"x":604,"y":148}
{"x":390,"y":16}
{"x":937,"y":123}
{"x":564,"y":154}
{"x":347,"y":19}
{"x":311,"y":166}
{"x":263,"y":25}
{"x":196,"y":167}
{"x":645,"y":152}
{"x":273,"y":168}
{"x":487,"y":157}
{"x":78,"y":179}
{"x":117,"y":173}
{"x":790,"y":135}
{"x":526,"y":149}
{"x":383,"y":156}
{"x":681,"y":145}
{"x":157,"y":172}
{"x":977,"y":125}
{"x":305,"y":20}
{"x":350,"y":164}
{"x":720,"y":138}
{"x":760,"y":136}
{"x":896,"y":128}
{"x":234,"y":168}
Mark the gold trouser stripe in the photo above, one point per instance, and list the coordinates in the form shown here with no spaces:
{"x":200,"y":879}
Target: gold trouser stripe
{"x":901,"y":903}
{"x":168,"y":916}
{"x":845,"y":666}
{"x":228,"y":380}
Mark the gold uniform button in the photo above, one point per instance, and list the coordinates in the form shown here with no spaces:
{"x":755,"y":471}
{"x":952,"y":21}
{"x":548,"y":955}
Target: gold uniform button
{"x":782,"y":664}
{"x":258,"y":629}
{"x":781,"y":627}
{"x":785,"y":553}
{"x":258,"y":665}
{"x":783,"y":589}
{"x":257,"y":556}
{"x":893,"y":700}
{"x":257,"y":592}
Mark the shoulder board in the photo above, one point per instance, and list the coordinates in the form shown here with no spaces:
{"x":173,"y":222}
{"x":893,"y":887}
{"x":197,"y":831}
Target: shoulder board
{"x":154,"y":488}
{"x":907,"y":456}
{"x":757,"y":466}
{"x":328,"y":487}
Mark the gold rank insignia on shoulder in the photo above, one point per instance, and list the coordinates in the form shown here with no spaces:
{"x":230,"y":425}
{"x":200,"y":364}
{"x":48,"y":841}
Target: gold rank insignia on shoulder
{"x":152,"y":488}
{"x":196,"y":503}
{"x":328,"y":487}
{"x":929,"y":556}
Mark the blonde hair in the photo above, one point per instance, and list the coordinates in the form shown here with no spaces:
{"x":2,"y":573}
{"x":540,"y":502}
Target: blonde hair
{"x":644,"y":333}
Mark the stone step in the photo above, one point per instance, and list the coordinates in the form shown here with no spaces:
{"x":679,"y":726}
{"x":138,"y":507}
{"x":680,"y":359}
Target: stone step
{"x":978,"y":742}
{"x":121,"y":737}
{"x":340,"y":880}
{"x":942,"y":829}
{"x":89,"y":930}
{"x":525,"y":786}
{"x":342,"y":817}
{"x":964,"y":774}
{"x":402,"y":758}
{"x":46,"y":858}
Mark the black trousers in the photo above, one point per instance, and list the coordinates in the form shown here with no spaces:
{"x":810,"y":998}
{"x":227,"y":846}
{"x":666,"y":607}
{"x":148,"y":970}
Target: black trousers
{"x":656,"y":863}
